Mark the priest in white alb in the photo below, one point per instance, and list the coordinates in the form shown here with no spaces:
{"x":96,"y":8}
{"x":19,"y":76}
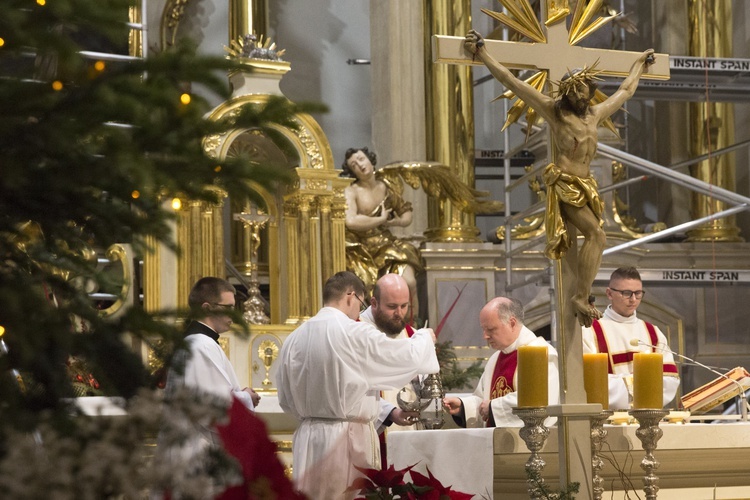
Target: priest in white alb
{"x":330,"y":372}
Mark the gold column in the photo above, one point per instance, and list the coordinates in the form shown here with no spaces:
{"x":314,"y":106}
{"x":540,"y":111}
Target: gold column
{"x":291,"y":217}
{"x":274,"y":271}
{"x":135,"y":37}
{"x":201,"y":242}
{"x":246,"y":17}
{"x":212,"y":240}
{"x":338,"y":227}
{"x":314,"y":301}
{"x":151,"y":281}
{"x":305,"y":262}
{"x":326,"y":237}
{"x":712,"y":124}
{"x":450,"y":120}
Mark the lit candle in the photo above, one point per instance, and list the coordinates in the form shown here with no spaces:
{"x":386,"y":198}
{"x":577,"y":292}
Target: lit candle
{"x":648,"y":381}
{"x":595,"y":378}
{"x":532,"y":376}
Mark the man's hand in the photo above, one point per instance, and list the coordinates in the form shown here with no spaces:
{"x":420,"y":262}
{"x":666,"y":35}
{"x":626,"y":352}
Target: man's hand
{"x":484,"y":409}
{"x":253,"y":395}
{"x":473,"y":41}
{"x":452,"y":405}
{"x":401,"y":417}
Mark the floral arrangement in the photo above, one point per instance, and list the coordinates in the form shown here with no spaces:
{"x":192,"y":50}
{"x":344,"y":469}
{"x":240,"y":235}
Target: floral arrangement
{"x":389,"y":484}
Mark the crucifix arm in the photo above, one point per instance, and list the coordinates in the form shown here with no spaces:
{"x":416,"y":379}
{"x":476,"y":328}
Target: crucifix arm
{"x":544,"y":105}
{"x":606,"y":108}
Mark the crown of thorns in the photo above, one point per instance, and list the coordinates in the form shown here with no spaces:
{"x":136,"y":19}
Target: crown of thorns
{"x":570,"y":82}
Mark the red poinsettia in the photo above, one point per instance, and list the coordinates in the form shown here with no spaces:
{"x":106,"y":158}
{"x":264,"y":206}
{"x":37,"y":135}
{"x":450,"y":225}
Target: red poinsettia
{"x":437,"y":491}
{"x":245,"y":438}
{"x":389,"y":484}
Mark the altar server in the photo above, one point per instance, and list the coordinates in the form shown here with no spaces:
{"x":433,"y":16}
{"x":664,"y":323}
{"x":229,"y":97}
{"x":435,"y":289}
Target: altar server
{"x":618,"y":329}
{"x":330,"y":371}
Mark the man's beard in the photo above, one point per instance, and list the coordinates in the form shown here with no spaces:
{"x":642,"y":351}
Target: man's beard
{"x":580,"y":108}
{"x":386,"y":325}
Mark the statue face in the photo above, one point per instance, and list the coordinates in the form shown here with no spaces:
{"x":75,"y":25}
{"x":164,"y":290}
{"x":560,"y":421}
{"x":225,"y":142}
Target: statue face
{"x":360,"y":165}
{"x":579,"y":98}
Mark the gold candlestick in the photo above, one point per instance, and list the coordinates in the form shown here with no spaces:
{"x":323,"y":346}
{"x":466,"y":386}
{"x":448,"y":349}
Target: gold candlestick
{"x":649,"y":433}
{"x":534,"y":433}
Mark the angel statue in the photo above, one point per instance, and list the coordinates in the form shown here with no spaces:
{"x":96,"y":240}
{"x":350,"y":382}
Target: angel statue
{"x":375,"y":204}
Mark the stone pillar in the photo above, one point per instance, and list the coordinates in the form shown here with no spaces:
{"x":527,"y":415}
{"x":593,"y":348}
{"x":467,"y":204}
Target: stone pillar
{"x":398,"y":84}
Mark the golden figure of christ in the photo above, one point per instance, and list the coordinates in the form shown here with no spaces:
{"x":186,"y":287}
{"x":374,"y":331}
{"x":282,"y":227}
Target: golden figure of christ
{"x":574,"y":113}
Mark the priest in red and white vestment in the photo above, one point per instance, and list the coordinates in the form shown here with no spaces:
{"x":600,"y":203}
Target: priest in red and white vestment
{"x":495,"y":396}
{"x":614,"y":332}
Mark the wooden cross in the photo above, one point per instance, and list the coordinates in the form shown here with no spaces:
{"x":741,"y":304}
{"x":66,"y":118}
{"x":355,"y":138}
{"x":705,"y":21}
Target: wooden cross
{"x":552,"y":51}
{"x":556,"y":56}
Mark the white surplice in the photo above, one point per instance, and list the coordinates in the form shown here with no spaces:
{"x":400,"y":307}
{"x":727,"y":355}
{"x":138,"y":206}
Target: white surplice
{"x":619,"y":331}
{"x":502,"y":407}
{"x":329,"y":373}
{"x":208,"y":372}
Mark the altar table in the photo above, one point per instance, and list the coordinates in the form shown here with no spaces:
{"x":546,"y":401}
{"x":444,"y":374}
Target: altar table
{"x":489,"y":463}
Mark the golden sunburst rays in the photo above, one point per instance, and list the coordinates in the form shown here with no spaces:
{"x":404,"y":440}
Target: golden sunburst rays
{"x":538,"y":80}
{"x":556,"y":11}
{"x":254,"y":47}
{"x":584,"y":23}
{"x":522,"y":18}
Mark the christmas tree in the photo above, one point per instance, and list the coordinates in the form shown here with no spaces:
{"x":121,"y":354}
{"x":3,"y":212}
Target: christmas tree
{"x":90,"y":149}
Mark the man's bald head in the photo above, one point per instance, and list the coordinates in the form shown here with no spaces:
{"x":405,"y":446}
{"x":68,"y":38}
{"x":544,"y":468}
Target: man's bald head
{"x":501,"y":320}
{"x":390,"y":303}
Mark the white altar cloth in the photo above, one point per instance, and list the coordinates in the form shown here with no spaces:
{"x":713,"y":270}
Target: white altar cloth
{"x":489,"y":463}
{"x":460,"y":458}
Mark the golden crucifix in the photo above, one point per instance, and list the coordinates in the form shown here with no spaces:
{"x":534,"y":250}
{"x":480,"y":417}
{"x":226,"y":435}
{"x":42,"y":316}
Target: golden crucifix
{"x":573,"y":115}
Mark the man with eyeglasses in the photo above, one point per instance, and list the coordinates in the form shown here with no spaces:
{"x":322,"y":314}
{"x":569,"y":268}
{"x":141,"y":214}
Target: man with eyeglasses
{"x":329,"y":374}
{"x":206,"y":367}
{"x":201,"y":366}
{"x":614,"y":332}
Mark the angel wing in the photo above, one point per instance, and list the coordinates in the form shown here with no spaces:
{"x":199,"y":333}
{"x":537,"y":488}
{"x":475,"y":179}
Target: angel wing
{"x":438,"y":181}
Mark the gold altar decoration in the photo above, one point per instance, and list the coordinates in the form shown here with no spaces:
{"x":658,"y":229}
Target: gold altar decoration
{"x":268,"y":351}
{"x":254,"y":47}
{"x":254,"y":306}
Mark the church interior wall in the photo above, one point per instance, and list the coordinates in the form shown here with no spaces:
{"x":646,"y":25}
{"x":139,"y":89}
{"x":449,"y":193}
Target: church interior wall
{"x":320,"y":37}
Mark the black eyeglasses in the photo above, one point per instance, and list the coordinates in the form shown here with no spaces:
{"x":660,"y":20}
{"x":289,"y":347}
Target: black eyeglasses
{"x":223,"y":306}
{"x":364,"y":306}
{"x":629,"y":293}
